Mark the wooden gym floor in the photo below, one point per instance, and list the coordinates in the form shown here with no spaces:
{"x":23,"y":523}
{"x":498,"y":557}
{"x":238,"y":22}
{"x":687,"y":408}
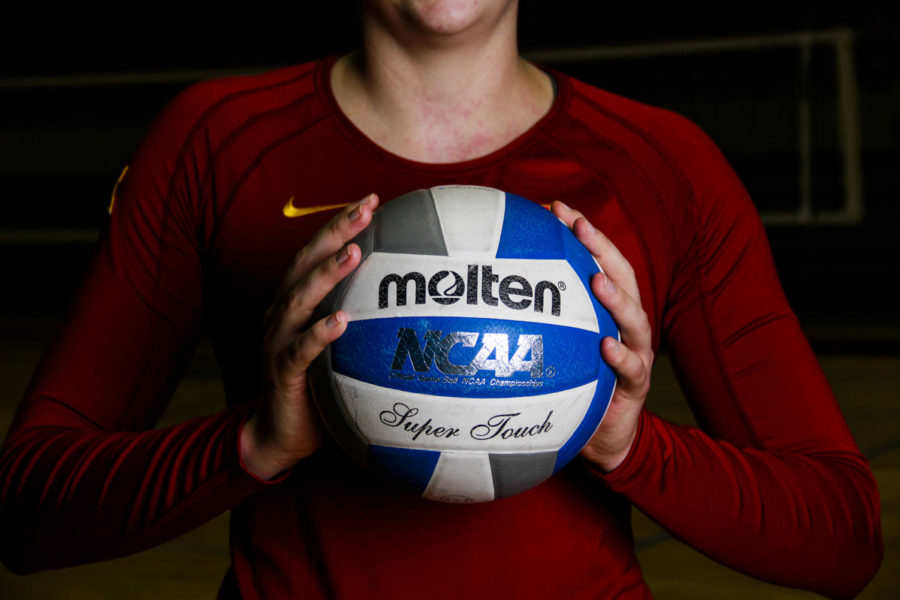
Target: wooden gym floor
{"x":190,"y":567}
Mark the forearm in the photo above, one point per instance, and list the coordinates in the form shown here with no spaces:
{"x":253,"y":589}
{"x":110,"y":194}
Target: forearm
{"x":802,"y":520}
{"x":75,"y":495}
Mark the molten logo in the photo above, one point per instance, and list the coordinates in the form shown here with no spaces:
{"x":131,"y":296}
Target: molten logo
{"x":449,"y":287}
{"x":492,"y":355}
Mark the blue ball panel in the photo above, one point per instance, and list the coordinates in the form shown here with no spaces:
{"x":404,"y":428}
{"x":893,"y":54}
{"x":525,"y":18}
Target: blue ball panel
{"x":412,"y":467}
{"x":606,"y":381}
{"x":585,"y":267}
{"x":570,"y":356}
{"x":530,"y":231}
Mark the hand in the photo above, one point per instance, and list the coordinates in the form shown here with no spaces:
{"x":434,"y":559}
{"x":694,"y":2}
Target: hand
{"x":631,"y":359}
{"x":285,"y":426}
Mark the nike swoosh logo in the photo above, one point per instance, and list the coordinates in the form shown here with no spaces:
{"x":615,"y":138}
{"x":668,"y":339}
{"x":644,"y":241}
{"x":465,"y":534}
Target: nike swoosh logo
{"x":291,"y":211}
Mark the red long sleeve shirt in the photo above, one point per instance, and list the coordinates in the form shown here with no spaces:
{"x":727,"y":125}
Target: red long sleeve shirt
{"x":772,"y":484}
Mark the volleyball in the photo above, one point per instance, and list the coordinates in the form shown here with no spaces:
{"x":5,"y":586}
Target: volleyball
{"x":470,"y":368}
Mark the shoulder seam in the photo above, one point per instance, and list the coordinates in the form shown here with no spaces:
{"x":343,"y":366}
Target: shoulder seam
{"x":203,"y":118}
{"x":222,"y":210}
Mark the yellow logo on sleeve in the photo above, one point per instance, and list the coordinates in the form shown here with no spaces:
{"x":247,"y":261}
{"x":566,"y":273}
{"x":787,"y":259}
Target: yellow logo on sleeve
{"x":112,"y":200}
{"x":290,"y":211}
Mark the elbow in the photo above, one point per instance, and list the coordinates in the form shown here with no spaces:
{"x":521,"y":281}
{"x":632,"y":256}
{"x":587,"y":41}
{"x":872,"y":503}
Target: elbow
{"x":20,"y":555}
{"x":16,"y":567}
{"x":875,"y":557}
{"x":27,"y":540}
{"x":31,"y":543}
{"x":20,"y":551}
{"x":834,"y":565}
{"x":863,"y":559}
{"x":829,"y":540}
{"x":853,"y":577}
{"x":15,"y":557}
{"x":859,"y":551}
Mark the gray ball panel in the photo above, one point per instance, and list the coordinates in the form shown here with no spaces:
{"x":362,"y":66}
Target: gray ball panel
{"x":515,"y":473}
{"x":409,"y":225}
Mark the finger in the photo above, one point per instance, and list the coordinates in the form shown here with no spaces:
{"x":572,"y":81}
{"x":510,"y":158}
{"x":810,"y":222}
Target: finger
{"x":633,"y":373}
{"x":342,"y":228}
{"x":328,"y":240}
{"x":608,"y":255}
{"x":565,"y":213}
{"x":296,"y":358}
{"x":611,"y":259}
{"x":302,"y":299}
{"x":626,"y":311}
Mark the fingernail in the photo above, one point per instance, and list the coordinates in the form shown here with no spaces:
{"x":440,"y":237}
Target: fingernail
{"x":334,"y":320}
{"x":564,"y":205}
{"x":343,"y":256}
{"x":615,"y":346}
{"x":355,"y":214}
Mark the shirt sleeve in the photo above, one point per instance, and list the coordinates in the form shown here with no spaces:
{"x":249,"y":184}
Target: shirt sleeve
{"x":83,"y":476}
{"x":772,"y":484}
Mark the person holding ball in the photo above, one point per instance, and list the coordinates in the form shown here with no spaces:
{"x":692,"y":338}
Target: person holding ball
{"x":238,"y":174}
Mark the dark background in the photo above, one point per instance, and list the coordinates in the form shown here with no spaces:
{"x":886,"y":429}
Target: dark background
{"x":64,"y":141}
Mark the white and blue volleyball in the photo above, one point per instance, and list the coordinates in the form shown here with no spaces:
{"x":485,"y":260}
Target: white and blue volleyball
{"x":470,"y":369}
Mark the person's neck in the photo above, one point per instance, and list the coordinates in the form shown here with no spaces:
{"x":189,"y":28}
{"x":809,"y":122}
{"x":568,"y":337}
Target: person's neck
{"x":441,"y":102}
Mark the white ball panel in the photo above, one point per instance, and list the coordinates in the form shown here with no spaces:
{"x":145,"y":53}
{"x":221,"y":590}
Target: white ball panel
{"x":360,"y":302}
{"x":471,"y":219}
{"x":405,"y":419}
{"x":461,"y":477}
